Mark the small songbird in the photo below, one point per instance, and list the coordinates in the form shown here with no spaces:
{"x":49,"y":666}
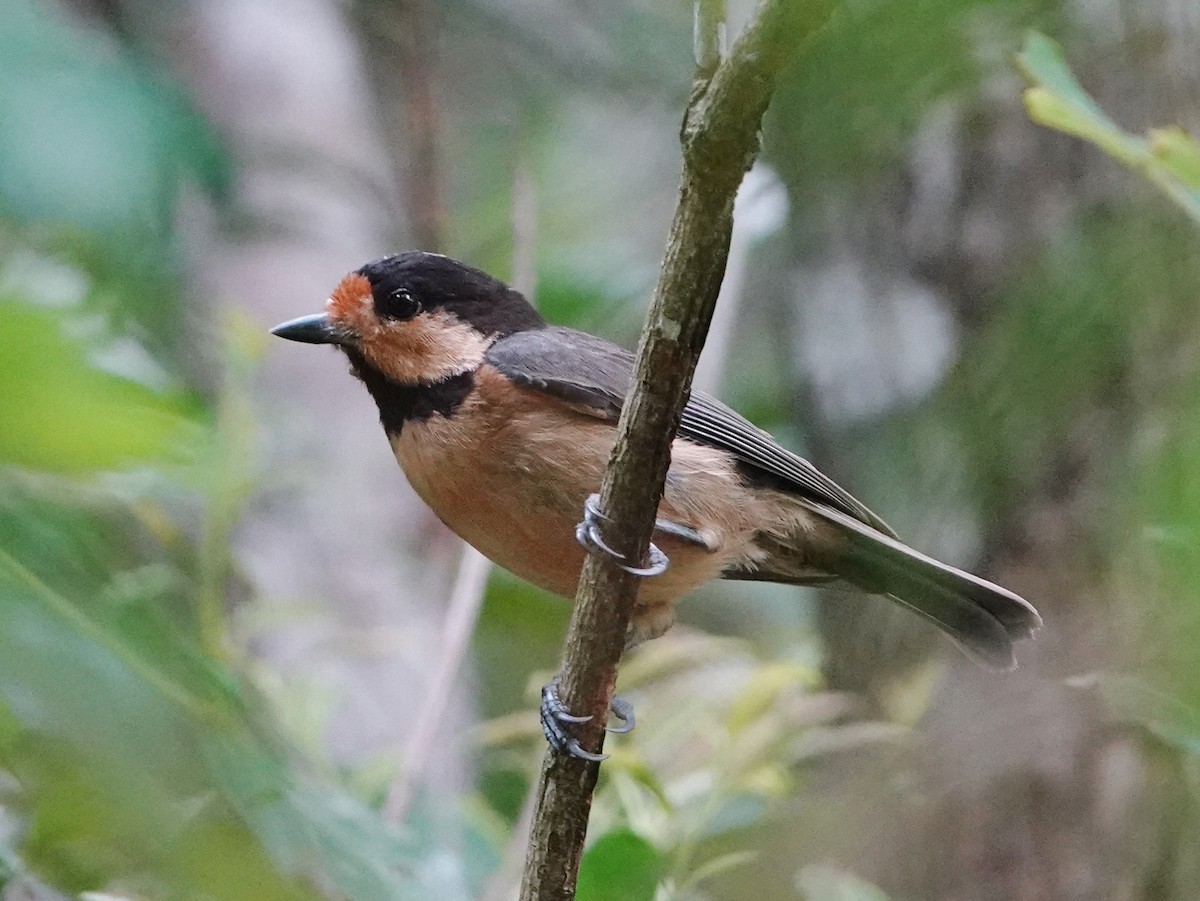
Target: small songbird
{"x":503,"y":424}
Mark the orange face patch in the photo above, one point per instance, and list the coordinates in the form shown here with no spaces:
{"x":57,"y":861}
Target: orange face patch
{"x":428,"y":348}
{"x":351,"y":307}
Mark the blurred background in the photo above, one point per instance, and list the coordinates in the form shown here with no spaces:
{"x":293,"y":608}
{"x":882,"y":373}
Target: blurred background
{"x":240,"y":660}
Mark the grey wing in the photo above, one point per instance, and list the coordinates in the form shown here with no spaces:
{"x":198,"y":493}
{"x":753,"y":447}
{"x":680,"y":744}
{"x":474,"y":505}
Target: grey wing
{"x":592,"y":375}
{"x":586,"y":373}
{"x":709,"y":421}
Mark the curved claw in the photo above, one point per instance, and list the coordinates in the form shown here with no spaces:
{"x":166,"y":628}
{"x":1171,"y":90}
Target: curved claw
{"x":553,"y":706}
{"x":588,"y":534}
{"x":565,"y":717}
{"x":554,"y":716}
{"x":572,"y":748}
{"x":659,"y":563}
{"x":622,"y":710}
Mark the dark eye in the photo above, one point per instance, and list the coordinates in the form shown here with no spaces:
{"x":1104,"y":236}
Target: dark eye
{"x":398,"y":304}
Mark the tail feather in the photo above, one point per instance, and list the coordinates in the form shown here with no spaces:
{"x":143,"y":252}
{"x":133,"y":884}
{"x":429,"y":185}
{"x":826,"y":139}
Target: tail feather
{"x":982,"y":618}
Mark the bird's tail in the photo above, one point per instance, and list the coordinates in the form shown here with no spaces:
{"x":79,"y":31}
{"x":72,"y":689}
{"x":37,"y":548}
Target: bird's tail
{"x":982,"y":618}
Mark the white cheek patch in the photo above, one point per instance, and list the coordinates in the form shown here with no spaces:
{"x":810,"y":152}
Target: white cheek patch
{"x":428,"y":348}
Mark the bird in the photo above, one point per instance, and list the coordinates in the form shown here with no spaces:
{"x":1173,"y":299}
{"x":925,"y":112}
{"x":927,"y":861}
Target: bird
{"x":503,"y":424}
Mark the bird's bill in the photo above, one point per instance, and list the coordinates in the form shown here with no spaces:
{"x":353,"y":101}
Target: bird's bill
{"x":315,"y":329}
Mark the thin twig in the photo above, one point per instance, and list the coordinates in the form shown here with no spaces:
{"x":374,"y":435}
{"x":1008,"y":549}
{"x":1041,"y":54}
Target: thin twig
{"x":720,"y":141}
{"x":466,"y":597}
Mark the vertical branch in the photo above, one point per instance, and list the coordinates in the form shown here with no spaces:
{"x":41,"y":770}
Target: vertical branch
{"x":720,"y":141}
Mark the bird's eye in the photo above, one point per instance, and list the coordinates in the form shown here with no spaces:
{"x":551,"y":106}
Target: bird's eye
{"x":398,"y":304}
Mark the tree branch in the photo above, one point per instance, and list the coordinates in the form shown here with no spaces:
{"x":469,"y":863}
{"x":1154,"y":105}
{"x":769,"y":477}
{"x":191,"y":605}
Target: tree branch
{"x":720,"y":141}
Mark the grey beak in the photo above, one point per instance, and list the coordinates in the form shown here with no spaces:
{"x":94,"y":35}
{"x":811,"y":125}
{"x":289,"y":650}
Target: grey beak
{"x":313,"y":329}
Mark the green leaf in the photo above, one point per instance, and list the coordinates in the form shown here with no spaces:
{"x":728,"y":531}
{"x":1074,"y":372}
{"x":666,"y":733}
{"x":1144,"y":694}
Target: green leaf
{"x":761,"y":692}
{"x":61,"y":413}
{"x":1179,"y":152}
{"x":633,"y":766}
{"x":1169,"y":158}
{"x":621,"y":866}
{"x":91,"y":136}
{"x":870,"y":78}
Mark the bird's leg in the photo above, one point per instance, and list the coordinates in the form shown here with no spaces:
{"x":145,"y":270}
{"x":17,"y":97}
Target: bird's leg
{"x":648,"y":622}
{"x":556,"y":719}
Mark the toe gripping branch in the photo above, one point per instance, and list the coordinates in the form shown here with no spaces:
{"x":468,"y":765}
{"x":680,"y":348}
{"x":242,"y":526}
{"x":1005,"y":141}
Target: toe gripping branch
{"x":556,"y":719}
{"x":588,"y":534}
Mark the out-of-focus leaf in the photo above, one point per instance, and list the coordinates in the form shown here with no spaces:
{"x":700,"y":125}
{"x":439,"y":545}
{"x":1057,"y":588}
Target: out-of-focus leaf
{"x":760,"y":693}
{"x":504,"y":789}
{"x":1060,"y":337}
{"x":736,"y":812}
{"x":867,"y":80}
{"x":826,"y":741}
{"x":316,"y":831}
{"x":1168,"y":157}
{"x":63,"y":414}
{"x":621,"y":866}
{"x":715,"y":866}
{"x":90,"y":137}
{"x":520,"y":629}
{"x":1135,"y":700}
{"x":95,"y":151}
{"x":126,"y":772}
{"x":634,"y":767}
{"x":1179,"y":152}
{"x":826,"y":883}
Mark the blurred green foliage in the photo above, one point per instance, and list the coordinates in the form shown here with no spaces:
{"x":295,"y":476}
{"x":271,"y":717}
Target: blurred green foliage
{"x":96,"y":148}
{"x":621,"y":864}
{"x":1145,"y":277}
{"x":136,"y":756}
{"x":139,"y":758}
{"x":825,"y":883}
{"x":845,"y":109}
{"x":65,"y":414}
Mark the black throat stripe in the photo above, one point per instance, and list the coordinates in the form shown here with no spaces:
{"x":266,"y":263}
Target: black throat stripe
{"x":400,"y":403}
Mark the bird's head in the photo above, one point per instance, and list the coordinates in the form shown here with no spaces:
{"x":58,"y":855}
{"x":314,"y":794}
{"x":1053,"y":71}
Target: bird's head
{"x":415,"y":318}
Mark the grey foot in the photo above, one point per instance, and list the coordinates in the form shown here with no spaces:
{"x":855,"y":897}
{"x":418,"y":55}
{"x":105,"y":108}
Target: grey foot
{"x":556,"y":719}
{"x":587,"y":533}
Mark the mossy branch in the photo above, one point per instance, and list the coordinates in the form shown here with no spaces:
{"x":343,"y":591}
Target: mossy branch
{"x":720,"y":141}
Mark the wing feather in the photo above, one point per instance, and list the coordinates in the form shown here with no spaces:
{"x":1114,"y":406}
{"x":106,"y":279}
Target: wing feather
{"x":592,"y":376}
